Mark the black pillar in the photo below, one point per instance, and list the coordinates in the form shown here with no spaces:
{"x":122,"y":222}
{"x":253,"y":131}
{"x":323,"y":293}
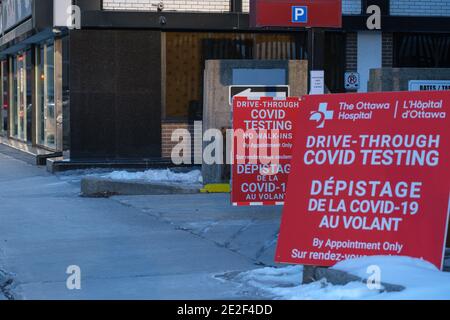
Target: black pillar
{"x":316,"y":49}
{"x":89,"y":5}
{"x":236,"y":5}
{"x":383,"y":4}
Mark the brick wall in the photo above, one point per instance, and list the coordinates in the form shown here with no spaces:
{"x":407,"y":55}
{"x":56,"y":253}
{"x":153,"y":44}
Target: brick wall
{"x":420,"y":8}
{"x":351,"y":6}
{"x":351,"y":48}
{"x":405,"y":7}
{"x":245,"y":5}
{"x":387,"y":50}
{"x":169,"y":5}
{"x":167,"y":144}
{"x":348,"y":6}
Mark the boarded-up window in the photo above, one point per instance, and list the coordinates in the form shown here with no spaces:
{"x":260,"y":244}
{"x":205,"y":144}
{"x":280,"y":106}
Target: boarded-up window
{"x":186,"y":53}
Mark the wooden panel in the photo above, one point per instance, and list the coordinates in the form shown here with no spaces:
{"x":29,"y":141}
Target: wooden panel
{"x":186,"y":54}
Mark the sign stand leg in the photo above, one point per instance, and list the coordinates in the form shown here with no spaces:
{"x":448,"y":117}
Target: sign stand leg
{"x":309,"y":274}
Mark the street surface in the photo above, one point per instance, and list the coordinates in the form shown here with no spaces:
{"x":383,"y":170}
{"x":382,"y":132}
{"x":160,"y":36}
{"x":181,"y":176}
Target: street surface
{"x":145,"y":247}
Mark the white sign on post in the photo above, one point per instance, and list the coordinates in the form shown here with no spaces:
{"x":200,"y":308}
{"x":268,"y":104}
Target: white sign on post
{"x":352,"y":80}
{"x":256,"y":92}
{"x":317,"y":81}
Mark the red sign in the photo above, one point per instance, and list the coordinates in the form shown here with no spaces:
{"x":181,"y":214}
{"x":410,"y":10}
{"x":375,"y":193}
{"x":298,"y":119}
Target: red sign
{"x":370,"y":176}
{"x":296,"y":13}
{"x":262,"y":149}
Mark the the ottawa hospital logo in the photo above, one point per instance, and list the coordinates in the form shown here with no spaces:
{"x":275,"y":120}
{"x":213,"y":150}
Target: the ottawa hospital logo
{"x":322,"y":115}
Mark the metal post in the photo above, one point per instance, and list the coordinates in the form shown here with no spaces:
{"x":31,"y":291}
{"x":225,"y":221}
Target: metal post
{"x":316,"y":50}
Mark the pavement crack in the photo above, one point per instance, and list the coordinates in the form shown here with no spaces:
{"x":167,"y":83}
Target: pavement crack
{"x":267,"y":245}
{"x":238,"y":233}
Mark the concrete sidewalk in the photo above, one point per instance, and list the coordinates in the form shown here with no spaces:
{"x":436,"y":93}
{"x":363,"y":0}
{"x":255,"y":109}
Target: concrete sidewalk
{"x":249,"y":231}
{"x":127,"y":248}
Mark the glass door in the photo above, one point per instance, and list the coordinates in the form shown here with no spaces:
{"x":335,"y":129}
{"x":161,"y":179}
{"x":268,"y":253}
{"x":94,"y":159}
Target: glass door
{"x":14,"y":116}
{"x":4,"y":98}
{"x":45,"y":93}
{"x":18,"y":102}
{"x":22,"y":97}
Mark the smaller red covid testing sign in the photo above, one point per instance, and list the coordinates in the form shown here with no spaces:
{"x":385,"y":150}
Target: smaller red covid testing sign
{"x":262,"y":149}
{"x":370,"y":176}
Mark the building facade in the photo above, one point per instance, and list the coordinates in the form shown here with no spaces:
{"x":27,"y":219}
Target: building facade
{"x":110,"y":83}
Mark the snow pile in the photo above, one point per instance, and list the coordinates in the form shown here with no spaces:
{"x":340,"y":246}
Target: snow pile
{"x":268,"y":279}
{"x":191,"y":177}
{"x":421,"y":279}
{"x":285,"y":283}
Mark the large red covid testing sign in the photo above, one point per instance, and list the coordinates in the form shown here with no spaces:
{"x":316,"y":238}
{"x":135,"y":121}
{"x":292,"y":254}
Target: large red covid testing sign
{"x":370,"y":176}
{"x":262,"y":149}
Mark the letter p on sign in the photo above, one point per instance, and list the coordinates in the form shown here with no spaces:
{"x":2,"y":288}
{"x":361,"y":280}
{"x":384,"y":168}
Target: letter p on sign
{"x":299,"y":14}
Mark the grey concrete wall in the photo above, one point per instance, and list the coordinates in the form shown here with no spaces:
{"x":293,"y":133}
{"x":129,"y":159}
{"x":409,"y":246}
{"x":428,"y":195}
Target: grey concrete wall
{"x":397,"y":79}
{"x":216,"y":109}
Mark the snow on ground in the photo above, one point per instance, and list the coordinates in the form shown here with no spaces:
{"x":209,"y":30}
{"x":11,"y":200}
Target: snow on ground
{"x":421,"y":279}
{"x":273,"y":278}
{"x":153,"y":175}
{"x":167,"y":175}
{"x":286,"y":284}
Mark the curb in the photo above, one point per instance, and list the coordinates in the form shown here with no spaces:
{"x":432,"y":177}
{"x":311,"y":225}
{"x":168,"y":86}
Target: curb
{"x":98,"y":187}
{"x":216,"y":188}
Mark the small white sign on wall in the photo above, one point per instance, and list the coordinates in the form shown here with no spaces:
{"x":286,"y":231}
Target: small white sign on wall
{"x":317,"y":81}
{"x":429,"y":85}
{"x":352,"y":80}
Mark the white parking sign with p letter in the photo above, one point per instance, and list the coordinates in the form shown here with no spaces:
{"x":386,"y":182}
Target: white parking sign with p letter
{"x":74,"y":280}
{"x":299,"y":14}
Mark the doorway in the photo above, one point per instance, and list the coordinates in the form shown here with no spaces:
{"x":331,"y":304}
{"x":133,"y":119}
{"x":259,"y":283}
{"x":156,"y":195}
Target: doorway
{"x":45,"y":92}
{"x":21,"y":102}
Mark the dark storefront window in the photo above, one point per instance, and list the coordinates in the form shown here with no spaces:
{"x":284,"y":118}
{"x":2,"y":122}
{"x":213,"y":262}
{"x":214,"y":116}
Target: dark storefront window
{"x":422,"y":50}
{"x":45,"y":90}
{"x":186,"y":54}
{"x":4,"y":103}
